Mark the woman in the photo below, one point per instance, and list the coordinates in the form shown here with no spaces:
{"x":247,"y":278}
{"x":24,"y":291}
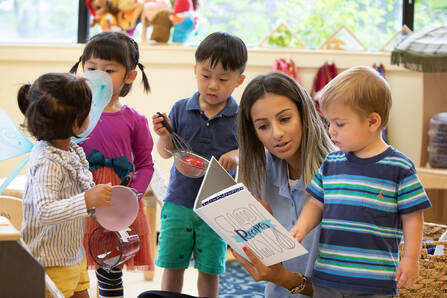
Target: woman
{"x":282,"y":143}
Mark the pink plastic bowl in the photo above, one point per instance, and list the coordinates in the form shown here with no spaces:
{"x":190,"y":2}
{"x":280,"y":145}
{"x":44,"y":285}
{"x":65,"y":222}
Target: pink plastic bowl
{"x":122,"y":212}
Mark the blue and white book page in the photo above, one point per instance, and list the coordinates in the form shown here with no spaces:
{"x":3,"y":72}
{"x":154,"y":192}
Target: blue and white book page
{"x":238,"y":218}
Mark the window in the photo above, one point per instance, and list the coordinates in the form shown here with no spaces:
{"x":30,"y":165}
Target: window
{"x":372,"y":21}
{"x":429,"y":12}
{"x":42,"y":21}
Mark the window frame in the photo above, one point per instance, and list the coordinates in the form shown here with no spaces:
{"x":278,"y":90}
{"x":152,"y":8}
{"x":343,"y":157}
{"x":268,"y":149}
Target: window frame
{"x":83,"y":22}
{"x":408,"y":13}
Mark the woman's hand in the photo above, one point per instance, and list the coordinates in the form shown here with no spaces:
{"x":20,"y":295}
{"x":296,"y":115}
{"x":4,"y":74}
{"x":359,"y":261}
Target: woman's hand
{"x":257,"y":269}
{"x":277,"y":274}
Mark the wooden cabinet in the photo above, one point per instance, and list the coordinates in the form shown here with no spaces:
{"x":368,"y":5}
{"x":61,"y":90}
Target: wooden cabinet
{"x":434,"y":101}
{"x":21,"y":275}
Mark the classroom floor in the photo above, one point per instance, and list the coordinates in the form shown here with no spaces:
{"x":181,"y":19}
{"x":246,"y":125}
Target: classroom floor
{"x":134,"y":282}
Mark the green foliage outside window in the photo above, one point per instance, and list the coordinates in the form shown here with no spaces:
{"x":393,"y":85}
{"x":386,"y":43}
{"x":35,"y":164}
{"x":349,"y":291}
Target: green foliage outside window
{"x":372,"y":21}
{"x":430,"y":12}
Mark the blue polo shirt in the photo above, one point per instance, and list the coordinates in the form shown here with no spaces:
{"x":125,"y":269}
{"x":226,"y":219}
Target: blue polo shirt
{"x":286,"y":203}
{"x":207,"y":137}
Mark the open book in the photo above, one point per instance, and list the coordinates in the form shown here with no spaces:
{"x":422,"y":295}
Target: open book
{"x":239,"y":219}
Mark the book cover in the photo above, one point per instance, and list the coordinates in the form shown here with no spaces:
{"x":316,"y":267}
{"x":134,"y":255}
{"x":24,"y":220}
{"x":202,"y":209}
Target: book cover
{"x":238,"y":218}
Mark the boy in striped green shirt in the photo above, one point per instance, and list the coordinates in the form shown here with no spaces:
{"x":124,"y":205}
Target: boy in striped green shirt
{"x":366,"y":196}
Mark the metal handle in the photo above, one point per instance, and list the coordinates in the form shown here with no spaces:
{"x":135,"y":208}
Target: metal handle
{"x":125,"y":181}
{"x":92,"y":212}
{"x":165,"y":123}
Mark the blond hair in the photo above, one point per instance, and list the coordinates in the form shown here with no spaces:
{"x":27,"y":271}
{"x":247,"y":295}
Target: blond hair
{"x":363,"y":89}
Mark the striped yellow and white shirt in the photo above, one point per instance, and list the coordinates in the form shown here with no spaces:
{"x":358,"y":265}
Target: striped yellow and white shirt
{"x":54,"y":209}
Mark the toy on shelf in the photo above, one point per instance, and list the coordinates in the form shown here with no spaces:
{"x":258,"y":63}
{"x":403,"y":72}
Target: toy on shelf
{"x":128,"y":15}
{"x":157,"y":13}
{"x":100,"y":10}
{"x":115,"y":15}
{"x":185,"y":20}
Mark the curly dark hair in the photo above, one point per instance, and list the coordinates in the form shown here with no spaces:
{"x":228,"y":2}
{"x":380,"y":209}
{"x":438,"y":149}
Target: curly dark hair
{"x":53,"y":104}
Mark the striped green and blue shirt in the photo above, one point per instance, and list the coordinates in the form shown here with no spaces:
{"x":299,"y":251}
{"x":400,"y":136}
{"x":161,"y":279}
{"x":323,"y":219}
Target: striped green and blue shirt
{"x":361,"y":226}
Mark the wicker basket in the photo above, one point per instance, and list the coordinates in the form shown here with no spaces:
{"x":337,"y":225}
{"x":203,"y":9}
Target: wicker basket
{"x":432,"y":280}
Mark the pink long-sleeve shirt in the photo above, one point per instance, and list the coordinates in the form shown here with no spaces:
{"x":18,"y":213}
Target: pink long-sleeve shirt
{"x":125,"y":133}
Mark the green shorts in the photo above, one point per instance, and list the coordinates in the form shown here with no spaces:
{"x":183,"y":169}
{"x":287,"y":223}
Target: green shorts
{"x":184,"y":234}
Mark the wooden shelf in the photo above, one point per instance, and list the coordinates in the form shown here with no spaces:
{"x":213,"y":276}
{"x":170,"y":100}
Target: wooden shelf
{"x":433,"y":178}
{"x":433,"y":102}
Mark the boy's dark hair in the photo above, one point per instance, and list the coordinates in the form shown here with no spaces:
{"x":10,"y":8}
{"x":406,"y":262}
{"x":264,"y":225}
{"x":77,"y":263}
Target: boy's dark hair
{"x":118,"y":47}
{"x":225,"y":48}
{"x":53,"y":104}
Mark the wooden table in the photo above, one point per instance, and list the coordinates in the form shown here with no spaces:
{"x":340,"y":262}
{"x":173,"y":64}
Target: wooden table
{"x":7,"y":230}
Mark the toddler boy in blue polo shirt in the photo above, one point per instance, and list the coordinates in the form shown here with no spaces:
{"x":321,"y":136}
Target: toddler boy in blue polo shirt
{"x":207,"y":121}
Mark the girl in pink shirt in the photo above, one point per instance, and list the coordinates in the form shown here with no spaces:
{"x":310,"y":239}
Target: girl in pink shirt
{"x":120,"y":145}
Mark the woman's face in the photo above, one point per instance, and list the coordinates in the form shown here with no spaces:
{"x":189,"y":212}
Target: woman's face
{"x":277,"y":123}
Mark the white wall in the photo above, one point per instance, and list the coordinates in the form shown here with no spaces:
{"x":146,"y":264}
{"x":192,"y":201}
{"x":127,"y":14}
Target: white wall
{"x":170,"y":72}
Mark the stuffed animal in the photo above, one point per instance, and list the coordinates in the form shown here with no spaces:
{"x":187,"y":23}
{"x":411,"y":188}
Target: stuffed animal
{"x":129,"y":12}
{"x":100,"y":10}
{"x":184,"y":20}
{"x":157,"y":13}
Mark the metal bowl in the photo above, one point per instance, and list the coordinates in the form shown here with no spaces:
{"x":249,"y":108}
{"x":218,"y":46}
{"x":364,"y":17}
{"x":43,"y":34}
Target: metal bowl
{"x":187,"y":169}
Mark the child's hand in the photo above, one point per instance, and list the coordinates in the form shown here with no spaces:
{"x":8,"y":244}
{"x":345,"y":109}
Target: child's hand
{"x":297,"y":233}
{"x":407,"y":272}
{"x":99,"y":195}
{"x":228,"y":161}
{"x":158,"y":126}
